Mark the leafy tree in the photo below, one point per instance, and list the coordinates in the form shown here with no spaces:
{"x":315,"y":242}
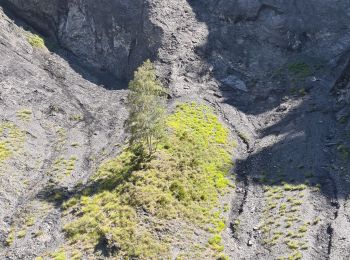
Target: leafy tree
{"x":146,"y":122}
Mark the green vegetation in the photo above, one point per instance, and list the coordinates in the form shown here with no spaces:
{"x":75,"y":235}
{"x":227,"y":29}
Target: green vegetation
{"x":296,"y":256}
{"x":11,"y":140}
{"x":61,"y":138}
{"x":146,"y":109}
{"x":282,"y":218}
{"x":21,"y":234}
{"x":76,"y":117}
{"x":10,"y":237}
{"x":63,"y":167}
{"x":316,"y":221}
{"x":30,"y":221}
{"x":5,"y":152}
{"x":59,"y":255}
{"x":300,"y":70}
{"x":20,"y":229}
{"x":183,"y":181}
{"x":24,"y":114}
{"x":344,"y":151}
{"x":215,"y":243}
{"x":36,"y":41}
{"x":345,"y":118}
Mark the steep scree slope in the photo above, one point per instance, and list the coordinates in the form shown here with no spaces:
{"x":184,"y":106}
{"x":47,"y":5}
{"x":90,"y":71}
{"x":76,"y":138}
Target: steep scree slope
{"x":49,"y":114}
{"x":278,"y":71}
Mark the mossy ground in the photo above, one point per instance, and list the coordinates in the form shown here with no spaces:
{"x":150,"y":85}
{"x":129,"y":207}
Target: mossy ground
{"x":11,"y":140}
{"x":36,"y":41}
{"x":132,"y":206}
{"x":24,"y":114}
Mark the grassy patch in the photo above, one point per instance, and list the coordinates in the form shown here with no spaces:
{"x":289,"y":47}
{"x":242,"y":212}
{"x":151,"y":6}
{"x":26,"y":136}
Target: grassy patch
{"x":300,"y":70}
{"x":76,"y":117}
{"x":344,"y":151}
{"x":5,"y":152}
{"x":61,"y":138}
{"x":10,"y":237}
{"x":24,"y":114}
{"x":63,"y":167}
{"x":182,"y":182}
{"x":21,"y":234}
{"x":36,"y":41}
{"x":282,"y":217}
{"x":59,"y":255}
{"x":11,"y":140}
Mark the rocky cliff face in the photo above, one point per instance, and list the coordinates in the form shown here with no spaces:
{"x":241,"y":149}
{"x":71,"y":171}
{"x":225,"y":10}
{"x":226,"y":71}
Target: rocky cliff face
{"x":277,"y":71}
{"x":230,"y":40}
{"x":112,"y":35}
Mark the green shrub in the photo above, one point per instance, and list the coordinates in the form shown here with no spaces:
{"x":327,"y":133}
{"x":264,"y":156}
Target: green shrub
{"x":178,"y":190}
{"x":36,"y":41}
{"x":300,"y":70}
{"x":292,"y":245}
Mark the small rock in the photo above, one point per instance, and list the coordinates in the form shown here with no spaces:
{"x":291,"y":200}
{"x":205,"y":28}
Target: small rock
{"x":282,"y":108}
{"x":234,"y":82}
{"x":255,"y":228}
{"x":250,"y":243}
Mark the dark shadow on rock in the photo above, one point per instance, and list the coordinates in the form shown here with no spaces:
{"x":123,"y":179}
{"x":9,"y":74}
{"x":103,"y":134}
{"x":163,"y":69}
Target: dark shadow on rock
{"x":109,"y":71}
{"x":306,"y":152}
{"x":261,"y":51}
{"x":57,"y":194}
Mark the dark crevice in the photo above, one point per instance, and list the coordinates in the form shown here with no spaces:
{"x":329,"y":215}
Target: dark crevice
{"x":335,"y":204}
{"x":330,"y":241}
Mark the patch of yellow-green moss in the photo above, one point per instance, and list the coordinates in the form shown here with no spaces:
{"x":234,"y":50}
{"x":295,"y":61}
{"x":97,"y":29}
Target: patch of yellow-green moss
{"x":11,"y":140}
{"x":36,"y":41}
{"x":5,"y":152}
{"x":63,"y":166}
{"x":129,"y":200}
{"x":59,"y":255}
{"x":24,"y":114}
{"x":10,"y":237}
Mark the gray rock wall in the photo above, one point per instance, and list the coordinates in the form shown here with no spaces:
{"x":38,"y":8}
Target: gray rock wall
{"x":114,"y":36}
{"x":194,"y":39}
